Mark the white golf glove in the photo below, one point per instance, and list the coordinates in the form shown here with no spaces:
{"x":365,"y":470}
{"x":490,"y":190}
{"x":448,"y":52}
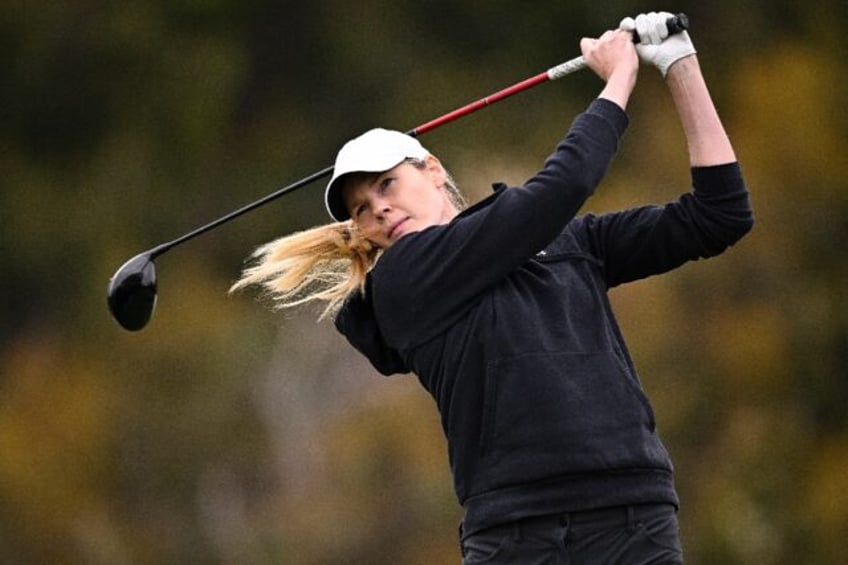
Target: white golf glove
{"x":656,"y":46}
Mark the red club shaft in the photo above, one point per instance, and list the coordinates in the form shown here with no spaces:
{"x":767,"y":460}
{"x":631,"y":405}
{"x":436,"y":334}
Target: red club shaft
{"x":474,"y":106}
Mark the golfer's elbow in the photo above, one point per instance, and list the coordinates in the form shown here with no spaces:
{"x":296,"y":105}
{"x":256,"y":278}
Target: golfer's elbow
{"x":742,"y":219}
{"x":727,"y":233}
{"x":745,"y":226}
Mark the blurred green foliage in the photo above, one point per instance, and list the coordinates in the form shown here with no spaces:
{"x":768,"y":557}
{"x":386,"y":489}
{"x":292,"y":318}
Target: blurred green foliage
{"x":226,"y":433}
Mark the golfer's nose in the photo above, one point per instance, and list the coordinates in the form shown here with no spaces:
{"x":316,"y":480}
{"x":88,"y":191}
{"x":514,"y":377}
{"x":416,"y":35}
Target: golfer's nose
{"x":380,"y":207}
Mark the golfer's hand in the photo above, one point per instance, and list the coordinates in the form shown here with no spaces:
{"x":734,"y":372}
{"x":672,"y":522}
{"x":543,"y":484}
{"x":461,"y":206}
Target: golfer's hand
{"x":614,"y":59}
{"x":656,"y":47}
{"x":611,"y":54}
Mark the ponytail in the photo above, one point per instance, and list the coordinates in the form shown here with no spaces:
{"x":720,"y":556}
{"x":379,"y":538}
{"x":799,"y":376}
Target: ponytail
{"x":326,"y":263}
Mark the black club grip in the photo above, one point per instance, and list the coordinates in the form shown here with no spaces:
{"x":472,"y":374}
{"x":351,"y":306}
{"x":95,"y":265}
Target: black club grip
{"x":675,"y":25}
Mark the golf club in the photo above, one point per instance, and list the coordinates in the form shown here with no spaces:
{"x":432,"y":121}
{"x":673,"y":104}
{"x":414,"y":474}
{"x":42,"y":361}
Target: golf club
{"x":132,"y":293}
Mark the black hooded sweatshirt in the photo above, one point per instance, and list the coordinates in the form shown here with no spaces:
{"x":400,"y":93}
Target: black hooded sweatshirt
{"x":503,"y":315}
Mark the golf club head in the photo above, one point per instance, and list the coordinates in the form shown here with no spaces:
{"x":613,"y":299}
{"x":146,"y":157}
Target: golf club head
{"x":132,"y":292}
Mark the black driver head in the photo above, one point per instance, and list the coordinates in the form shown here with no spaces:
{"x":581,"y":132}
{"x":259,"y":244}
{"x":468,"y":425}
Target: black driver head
{"x":132,"y":292}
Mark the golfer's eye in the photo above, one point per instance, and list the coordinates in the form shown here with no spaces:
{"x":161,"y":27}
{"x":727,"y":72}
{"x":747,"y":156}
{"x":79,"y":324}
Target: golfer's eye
{"x":386,"y":183}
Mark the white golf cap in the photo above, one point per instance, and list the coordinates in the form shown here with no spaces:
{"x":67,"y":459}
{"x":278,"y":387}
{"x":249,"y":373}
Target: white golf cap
{"x":375,"y":151}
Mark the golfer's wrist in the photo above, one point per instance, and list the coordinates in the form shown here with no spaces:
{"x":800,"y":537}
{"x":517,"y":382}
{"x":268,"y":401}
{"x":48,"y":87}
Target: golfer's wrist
{"x":619,"y":87}
{"x":682,"y":67}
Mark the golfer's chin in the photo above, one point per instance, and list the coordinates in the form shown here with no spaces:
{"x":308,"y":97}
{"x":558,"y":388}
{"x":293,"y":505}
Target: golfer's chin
{"x":398,"y":231}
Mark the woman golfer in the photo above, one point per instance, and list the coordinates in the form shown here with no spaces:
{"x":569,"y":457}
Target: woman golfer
{"x":501,"y":310}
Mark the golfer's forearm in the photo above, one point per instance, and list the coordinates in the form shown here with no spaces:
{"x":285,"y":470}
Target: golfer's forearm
{"x":705,"y":135}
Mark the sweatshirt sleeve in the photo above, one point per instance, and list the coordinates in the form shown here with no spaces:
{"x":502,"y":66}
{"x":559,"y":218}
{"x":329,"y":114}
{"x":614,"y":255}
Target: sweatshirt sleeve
{"x":356,"y":322}
{"x":425,"y":281}
{"x":650,"y":240}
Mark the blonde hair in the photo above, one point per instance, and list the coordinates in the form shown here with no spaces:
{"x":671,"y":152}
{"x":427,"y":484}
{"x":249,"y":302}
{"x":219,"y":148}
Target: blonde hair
{"x":325,"y":263}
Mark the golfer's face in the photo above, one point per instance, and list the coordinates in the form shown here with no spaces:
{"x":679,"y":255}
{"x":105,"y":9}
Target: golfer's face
{"x":400,"y":201}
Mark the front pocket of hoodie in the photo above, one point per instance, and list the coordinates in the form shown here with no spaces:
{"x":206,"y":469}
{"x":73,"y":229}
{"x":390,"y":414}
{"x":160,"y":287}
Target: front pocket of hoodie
{"x":575,"y":411}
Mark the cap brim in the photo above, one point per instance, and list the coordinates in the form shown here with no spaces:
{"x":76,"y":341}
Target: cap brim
{"x":333,"y":199}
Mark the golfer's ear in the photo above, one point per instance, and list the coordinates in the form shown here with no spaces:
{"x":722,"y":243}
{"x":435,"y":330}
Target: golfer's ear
{"x":436,"y":170}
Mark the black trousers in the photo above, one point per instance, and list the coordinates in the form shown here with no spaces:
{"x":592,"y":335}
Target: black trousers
{"x":625,"y":535}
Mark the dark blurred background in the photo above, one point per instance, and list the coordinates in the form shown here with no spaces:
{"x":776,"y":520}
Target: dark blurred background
{"x":227,"y":433}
